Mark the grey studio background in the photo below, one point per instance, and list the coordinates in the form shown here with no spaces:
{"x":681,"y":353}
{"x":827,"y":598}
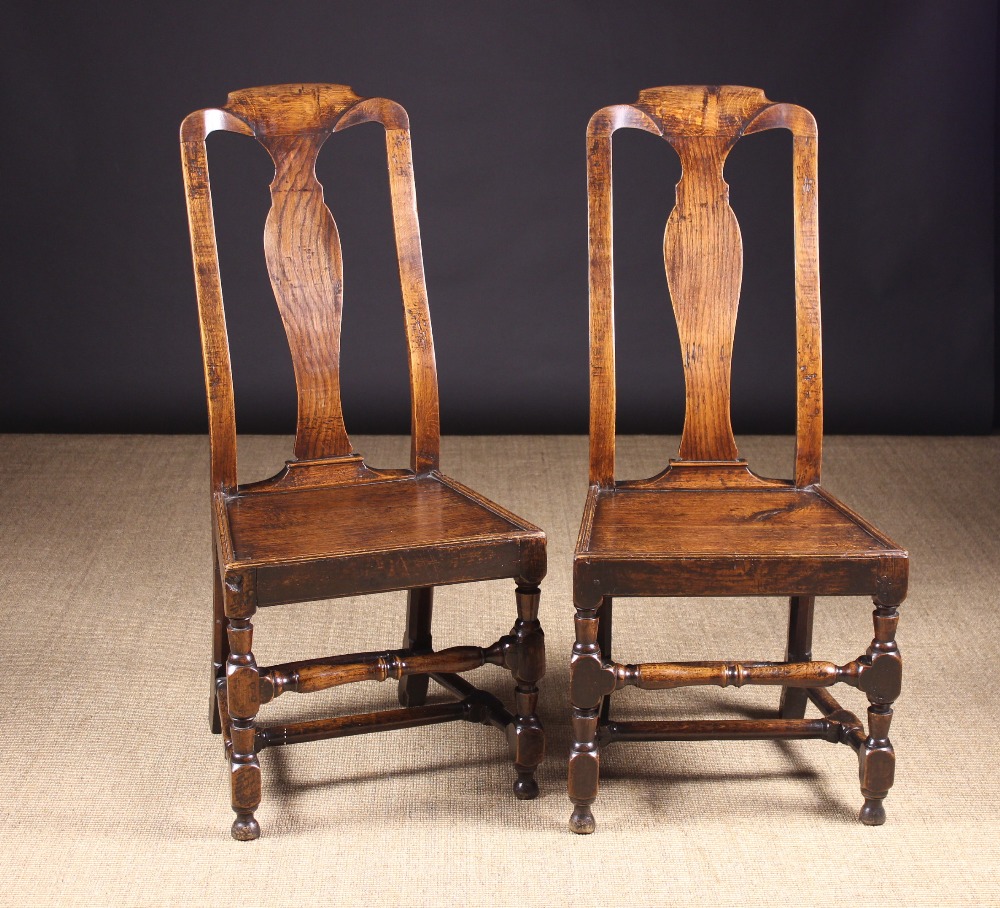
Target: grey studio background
{"x":100,"y":330}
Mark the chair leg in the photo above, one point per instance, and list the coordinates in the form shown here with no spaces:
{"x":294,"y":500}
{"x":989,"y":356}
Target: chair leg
{"x":242,"y":702}
{"x":527,"y":739}
{"x":420,"y":605}
{"x":800,"y":632}
{"x":876,"y":757}
{"x":604,"y":641}
{"x":220,"y":649}
{"x":585,"y":755}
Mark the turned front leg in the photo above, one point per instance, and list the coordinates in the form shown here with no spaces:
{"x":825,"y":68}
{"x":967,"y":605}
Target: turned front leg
{"x":876,"y":757}
{"x":587,"y":691}
{"x":243,"y":701}
{"x":526,"y":660}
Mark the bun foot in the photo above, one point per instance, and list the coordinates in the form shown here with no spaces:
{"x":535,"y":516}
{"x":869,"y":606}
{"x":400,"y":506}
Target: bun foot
{"x":525,"y":787}
{"x":582,"y":821}
{"x":245,"y":828}
{"x":873,"y":813}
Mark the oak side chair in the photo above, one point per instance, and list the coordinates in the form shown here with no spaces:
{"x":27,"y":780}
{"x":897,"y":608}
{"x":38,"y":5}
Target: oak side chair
{"x":706,"y":525}
{"x":328,"y":525}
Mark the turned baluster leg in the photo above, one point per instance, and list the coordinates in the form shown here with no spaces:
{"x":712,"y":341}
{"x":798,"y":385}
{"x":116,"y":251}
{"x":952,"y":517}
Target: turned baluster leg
{"x":877,"y":760}
{"x":527,"y":664}
{"x":584,"y":757}
{"x":420,"y":604}
{"x":220,"y":648}
{"x":243,"y":701}
{"x":800,"y":632}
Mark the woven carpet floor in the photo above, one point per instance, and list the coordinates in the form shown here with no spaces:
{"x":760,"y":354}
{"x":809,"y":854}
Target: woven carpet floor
{"x":112,"y":790}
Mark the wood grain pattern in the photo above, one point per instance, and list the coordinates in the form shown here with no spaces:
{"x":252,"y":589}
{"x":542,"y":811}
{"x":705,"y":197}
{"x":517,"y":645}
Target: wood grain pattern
{"x":600,"y":576}
{"x":703,"y":262}
{"x":602,"y":126}
{"x":789,"y":522}
{"x":596,"y":679}
{"x":707,"y":525}
{"x":314,"y":675}
{"x":302,"y":247}
{"x":326,"y":525}
{"x":703,"y":254}
{"x":309,"y":524}
{"x":281,"y":583}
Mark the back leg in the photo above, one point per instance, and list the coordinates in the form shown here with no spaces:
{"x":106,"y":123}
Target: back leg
{"x":220,"y":649}
{"x":420,"y":605}
{"x":604,"y":642}
{"x":800,"y":633}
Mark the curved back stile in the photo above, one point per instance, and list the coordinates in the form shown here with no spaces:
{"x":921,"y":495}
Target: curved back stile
{"x":302,"y":250}
{"x":703,"y":261}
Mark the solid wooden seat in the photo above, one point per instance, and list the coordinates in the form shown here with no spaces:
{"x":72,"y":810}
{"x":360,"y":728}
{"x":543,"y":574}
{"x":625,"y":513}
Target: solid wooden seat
{"x":328,"y":525}
{"x":399,"y":521}
{"x":707,"y":525}
{"x":702,"y":541}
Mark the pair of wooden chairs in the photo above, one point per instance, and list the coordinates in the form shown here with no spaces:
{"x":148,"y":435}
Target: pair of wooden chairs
{"x":328,"y":525}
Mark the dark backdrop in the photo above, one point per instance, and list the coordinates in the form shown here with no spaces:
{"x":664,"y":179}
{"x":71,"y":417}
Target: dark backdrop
{"x":100,"y":330}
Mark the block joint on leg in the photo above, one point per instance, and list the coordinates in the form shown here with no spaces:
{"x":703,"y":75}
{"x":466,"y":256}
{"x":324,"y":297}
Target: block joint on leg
{"x":526,"y":661}
{"x":881,"y":684}
{"x":586,"y":697}
{"x":242,"y":703}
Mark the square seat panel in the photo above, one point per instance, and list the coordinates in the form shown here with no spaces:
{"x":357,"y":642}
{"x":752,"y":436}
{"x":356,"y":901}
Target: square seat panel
{"x":387,"y":534}
{"x":717,"y":542}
